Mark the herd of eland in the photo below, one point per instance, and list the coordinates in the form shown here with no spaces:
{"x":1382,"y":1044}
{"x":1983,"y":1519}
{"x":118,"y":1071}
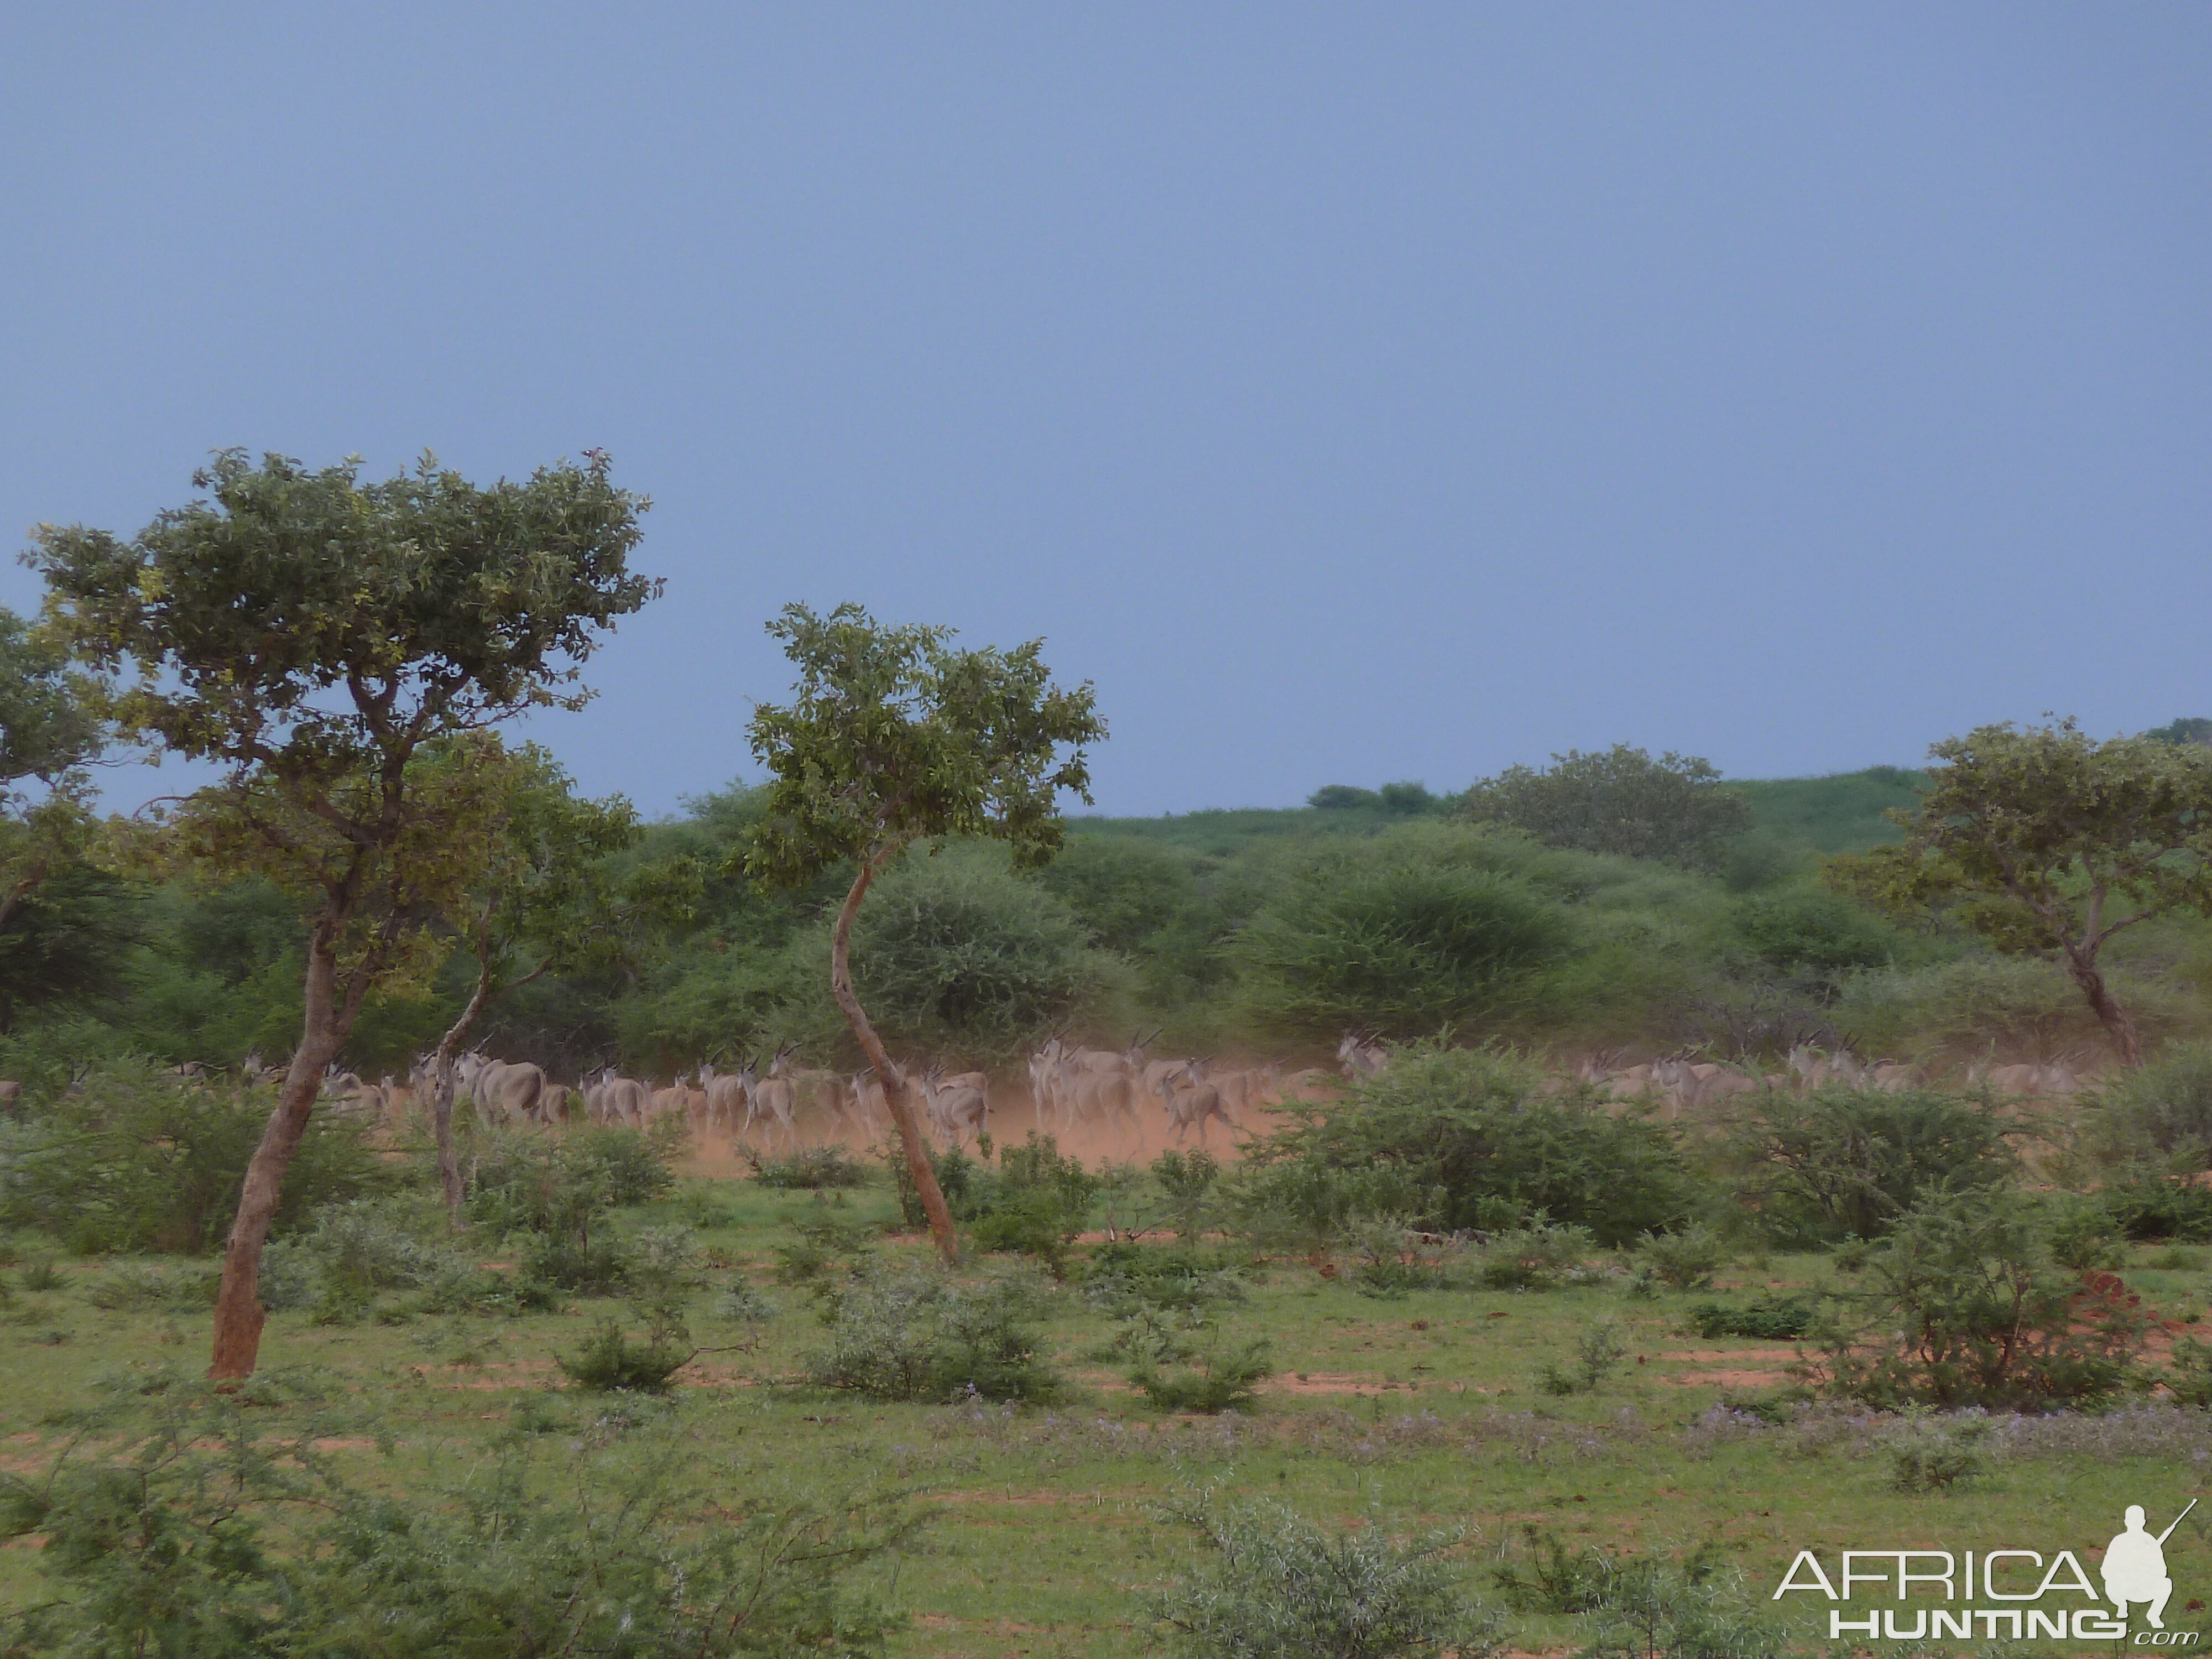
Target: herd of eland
{"x":1105,"y":1093}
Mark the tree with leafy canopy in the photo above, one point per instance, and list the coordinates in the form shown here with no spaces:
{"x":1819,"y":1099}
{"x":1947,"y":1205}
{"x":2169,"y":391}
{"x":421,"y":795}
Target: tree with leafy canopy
{"x":1620,"y":801}
{"x":547,"y":896}
{"x":342,"y":650}
{"x":50,"y":731}
{"x":2048,"y":843}
{"x":893,"y":737}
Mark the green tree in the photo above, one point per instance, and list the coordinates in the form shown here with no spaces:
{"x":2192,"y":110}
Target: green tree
{"x":1620,"y":801}
{"x":341,"y":649}
{"x":50,"y":731}
{"x":893,"y":737}
{"x":545,"y":897}
{"x":2047,"y":843}
{"x":1395,"y":945}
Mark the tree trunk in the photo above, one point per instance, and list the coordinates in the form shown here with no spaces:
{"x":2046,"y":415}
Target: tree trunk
{"x":893,"y":1080}
{"x":2118,"y":1025}
{"x":237,"y":1310}
{"x":441,"y":1097}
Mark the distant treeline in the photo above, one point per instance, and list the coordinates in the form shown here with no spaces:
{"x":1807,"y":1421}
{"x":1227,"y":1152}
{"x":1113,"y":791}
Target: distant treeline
{"x":1394,"y":912}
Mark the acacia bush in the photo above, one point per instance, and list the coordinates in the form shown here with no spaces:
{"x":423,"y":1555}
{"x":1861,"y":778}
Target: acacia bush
{"x":135,"y":1159}
{"x":1838,"y":1162}
{"x":958,"y":953}
{"x":1619,"y":800}
{"x":558,"y":1192}
{"x":1962,"y":1304}
{"x":181,"y":1522}
{"x":2161,"y":1114}
{"x":1469,"y":1133}
{"x":1210,"y":1378}
{"x":916,"y":1334}
{"x":1400,"y":946}
{"x":1266,"y":1582}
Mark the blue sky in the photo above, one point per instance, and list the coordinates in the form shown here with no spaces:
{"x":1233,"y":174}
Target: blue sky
{"x":1353,"y":393}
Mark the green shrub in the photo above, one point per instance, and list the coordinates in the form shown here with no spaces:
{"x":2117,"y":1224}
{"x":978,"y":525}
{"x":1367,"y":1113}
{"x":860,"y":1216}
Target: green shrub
{"x":1035,"y":1203}
{"x":1179,"y":1377}
{"x":135,"y":1287}
{"x":1619,"y":800}
{"x":808,"y":1169}
{"x":1534,"y":1257}
{"x":1836,"y":1162}
{"x":1117,"y":1275}
{"x":1268,"y":1584}
{"x":2147,"y":1205}
{"x":1187,"y":1181}
{"x":1310,"y":1205}
{"x":609,"y":1361}
{"x":213,"y":1533}
{"x":40,"y":1276}
{"x":2189,"y":1379}
{"x":1811,"y":934}
{"x":2161,"y":1112}
{"x":956,"y":1178}
{"x":1639,"y":1606}
{"x":822,"y":1241}
{"x":1465,"y":1130}
{"x":959,"y":953}
{"x":1962,"y":1304}
{"x":1929,"y":1454}
{"x":1685,"y":1260}
{"x":1404,"y":948}
{"x":1598,"y":1354}
{"x":1393,"y":1258}
{"x":143,"y":1161}
{"x":558,"y":1195}
{"x":915,"y":1335}
{"x":1768,"y":1319}
{"x":1649,"y":1608}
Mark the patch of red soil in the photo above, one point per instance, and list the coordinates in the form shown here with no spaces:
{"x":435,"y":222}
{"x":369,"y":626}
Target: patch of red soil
{"x":1728,"y":1379}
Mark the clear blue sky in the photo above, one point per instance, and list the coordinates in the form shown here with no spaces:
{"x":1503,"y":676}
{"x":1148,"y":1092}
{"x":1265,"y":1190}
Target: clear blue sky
{"x":1352,"y":393}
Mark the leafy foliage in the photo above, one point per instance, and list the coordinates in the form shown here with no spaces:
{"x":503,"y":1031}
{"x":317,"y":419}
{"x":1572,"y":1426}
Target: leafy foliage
{"x":1268,"y":1584}
{"x":2048,"y":842}
{"x":1618,"y":801}
{"x":1403,"y":949}
{"x":1764,"y":1319}
{"x":1962,"y":1304}
{"x":135,"y":1160}
{"x":919,"y":1335}
{"x":1465,"y":1130}
{"x":957,"y":954}
{"x":1836,"y":1162}
{"x":206,"y":1535}
{"x":2161,"y":1114}
{"x":1209,"y":1380}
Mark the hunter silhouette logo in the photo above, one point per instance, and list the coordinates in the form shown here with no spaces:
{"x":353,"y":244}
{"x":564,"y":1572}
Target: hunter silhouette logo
{"x":2022,"y":1595}
{"x":2134,"y":1567}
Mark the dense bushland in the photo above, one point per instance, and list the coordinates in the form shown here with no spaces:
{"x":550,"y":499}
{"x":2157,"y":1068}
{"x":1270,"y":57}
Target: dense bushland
{"x":1464,"y":1139}
{"x":1226,"y":930}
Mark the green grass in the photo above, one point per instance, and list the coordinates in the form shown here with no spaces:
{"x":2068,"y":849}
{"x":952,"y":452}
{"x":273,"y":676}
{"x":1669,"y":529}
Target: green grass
{"x":1841,"y":812}
{"x":1421,"y":1410}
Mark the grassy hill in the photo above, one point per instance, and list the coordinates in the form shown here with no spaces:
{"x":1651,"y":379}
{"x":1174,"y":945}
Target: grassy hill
{"x":1838,"y":813}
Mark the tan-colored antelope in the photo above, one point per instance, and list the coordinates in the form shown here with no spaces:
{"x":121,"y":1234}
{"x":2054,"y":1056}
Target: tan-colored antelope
{"x":726,"y":1096}
{"x":1191,"y":1099}
{"x":959,"y":1107}
{"x":773,"y":1097}
{"x":1108,"y":1096}
{"x":1361,"y":1056}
